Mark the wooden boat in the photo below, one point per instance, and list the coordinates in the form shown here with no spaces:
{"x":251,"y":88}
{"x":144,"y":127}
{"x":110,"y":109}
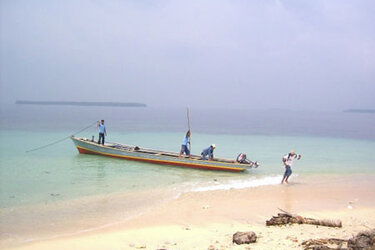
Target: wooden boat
{"x":135,"y":153}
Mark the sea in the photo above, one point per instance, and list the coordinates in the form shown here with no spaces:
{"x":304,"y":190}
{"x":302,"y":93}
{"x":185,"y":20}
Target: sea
{"x":48,"y":190}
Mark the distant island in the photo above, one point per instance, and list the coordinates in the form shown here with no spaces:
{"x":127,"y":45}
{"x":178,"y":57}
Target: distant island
{"x":101,"y":104}
{"x":368,"y":111}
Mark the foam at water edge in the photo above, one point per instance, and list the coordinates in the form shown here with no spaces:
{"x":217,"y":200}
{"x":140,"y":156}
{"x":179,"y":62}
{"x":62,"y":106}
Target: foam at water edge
{"x":241,"y":184}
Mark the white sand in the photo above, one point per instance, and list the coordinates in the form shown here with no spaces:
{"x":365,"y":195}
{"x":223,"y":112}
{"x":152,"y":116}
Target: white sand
{"x":203,"y":219}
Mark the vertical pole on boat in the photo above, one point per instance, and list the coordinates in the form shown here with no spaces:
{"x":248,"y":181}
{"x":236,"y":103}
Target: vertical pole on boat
{"x":188,"y":120}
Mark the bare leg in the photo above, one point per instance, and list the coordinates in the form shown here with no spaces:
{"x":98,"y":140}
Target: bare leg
{"x":181,"y":152}
{"x":282,"y":181}
{"x":286,"y":180}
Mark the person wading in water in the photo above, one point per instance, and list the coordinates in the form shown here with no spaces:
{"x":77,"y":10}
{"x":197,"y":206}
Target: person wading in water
{"x":288,"y":160}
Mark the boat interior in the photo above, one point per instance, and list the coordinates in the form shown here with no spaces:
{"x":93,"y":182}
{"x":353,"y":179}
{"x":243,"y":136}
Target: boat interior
{"x":132,"y":148}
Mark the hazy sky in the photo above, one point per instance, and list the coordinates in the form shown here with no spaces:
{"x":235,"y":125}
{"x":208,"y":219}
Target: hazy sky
{"x":297,"y":54}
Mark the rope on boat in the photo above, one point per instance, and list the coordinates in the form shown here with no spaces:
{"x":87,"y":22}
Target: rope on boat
{"x":58,"y":141}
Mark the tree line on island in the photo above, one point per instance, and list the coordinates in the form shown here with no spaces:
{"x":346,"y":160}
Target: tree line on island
{"x":72,"y":103}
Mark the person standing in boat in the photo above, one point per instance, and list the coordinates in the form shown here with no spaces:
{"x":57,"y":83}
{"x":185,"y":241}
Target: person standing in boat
{"x":102,"y":132}
{"x":208,"y":152}
{"x":184,"y":145}
{"x":288,"y":160}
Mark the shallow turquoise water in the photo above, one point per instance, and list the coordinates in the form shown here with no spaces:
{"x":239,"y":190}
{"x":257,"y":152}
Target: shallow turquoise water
{"x":56,"y":187}
{"x":59,"y":172}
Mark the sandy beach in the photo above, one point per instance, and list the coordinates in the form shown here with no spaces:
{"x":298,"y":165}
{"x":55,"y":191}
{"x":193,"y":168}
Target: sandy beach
{"x":207,"y":220}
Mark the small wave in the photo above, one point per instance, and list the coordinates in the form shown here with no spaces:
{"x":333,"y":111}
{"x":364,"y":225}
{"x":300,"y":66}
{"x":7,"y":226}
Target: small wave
{"x":240,"y":184}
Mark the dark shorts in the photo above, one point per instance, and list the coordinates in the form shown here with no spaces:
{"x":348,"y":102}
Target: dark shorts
{"x":184,"y":149}
{"x":288,"y":171}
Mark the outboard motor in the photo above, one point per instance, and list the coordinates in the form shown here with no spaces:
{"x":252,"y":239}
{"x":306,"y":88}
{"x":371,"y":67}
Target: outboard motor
{"x":241,"y":158}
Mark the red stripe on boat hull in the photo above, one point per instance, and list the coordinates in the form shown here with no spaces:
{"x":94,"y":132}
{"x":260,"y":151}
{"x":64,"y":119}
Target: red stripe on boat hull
{"x":87,"y":151}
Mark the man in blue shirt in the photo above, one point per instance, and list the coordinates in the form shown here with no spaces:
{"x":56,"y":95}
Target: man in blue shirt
{"x":102,"y":132}
{"x":184,"y":146}
{"x":208,"y":152}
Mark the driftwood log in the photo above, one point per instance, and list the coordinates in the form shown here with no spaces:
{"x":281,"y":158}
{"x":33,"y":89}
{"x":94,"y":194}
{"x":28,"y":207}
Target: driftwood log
{"x":286,"y":218}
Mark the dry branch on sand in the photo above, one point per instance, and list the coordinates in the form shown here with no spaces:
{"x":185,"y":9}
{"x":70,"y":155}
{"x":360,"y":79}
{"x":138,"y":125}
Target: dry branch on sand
{"x":364,"y":240}
{"x":323,"y":244}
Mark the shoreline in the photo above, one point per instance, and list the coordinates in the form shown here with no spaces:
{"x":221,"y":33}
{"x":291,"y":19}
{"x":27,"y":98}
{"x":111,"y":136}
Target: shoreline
{"x":214,"y":216}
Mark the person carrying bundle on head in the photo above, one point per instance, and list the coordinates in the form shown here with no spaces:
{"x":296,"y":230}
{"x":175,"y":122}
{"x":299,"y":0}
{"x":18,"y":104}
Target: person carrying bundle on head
{"x":288,"y":160}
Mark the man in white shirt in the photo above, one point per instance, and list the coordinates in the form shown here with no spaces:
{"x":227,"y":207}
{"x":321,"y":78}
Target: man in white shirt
{"x":288,"y":160}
